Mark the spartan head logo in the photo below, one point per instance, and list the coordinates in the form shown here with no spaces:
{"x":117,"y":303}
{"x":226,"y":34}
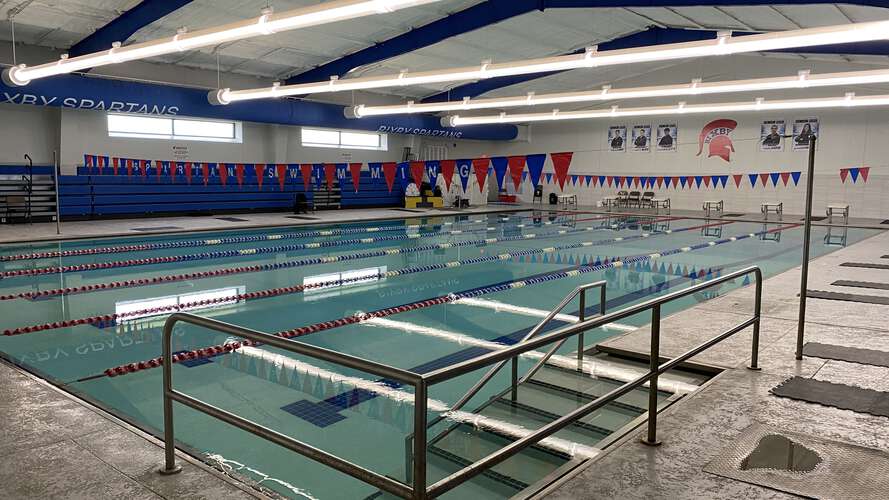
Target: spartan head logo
{"x":716,"y":136}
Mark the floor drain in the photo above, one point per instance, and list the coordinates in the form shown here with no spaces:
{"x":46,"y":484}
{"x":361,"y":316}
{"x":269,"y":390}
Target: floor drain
{"x":780,"y":453}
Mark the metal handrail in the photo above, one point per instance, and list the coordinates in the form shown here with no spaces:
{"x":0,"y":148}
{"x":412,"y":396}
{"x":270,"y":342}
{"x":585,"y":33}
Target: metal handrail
{"x":421,"y":383}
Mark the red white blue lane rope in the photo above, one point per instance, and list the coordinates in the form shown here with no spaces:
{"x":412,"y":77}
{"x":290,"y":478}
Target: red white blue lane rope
{"x":232,"y":253}
{"x":382,"y":313}
{"x":301,"y":263}
{"x":109,"y":319}
{"x":228,"y":241}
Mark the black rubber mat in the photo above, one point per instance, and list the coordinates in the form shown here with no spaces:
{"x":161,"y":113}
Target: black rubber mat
{"x":409,"y":210}
{"x":862,"y":284}
{"x":734,"y":215}
{"x":302,"y":218}
{"x":866,"y":265}
{"x":885,"y":221}
{"x":848,"y":297}
{"x":848,"y":354}
{"x":844,"y":397}
{"x":156,"y":228}
{"x":815,"y":219}
{"x":231,"y":219}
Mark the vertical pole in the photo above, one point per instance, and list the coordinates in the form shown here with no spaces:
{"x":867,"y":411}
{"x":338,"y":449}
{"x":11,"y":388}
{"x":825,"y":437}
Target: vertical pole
{"x":581,"y":316}
{"x":56,"y":166}
{"x":654,"y":364}
{"x":514,"y":393}
{"x":757,"y":311}
{"x":419,"y":475}
{"x":807,"y":236}
{"x":170,"y":466}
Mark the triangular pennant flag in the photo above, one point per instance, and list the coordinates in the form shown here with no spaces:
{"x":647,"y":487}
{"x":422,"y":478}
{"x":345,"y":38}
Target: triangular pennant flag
{"x":143,"y":166}
{"x":683,"y":181}
{"x":88,"y":161}
{"x":480,"y":166}
{"x":677,"y":181}
{"x":188,"y":171}
{"x":706,"y":180}
{"x":389,"y":173}
{"x":595,"y":181}
{"x":785,"y":176}
{"x":668,"y":181}
{"x":588,"y":179}
{"x":330,"y":174}
{"x":724,"y":180}
{"x":610,"y":180}
{"x":305,"y":169}
{"x":403,"y":174}
{"x":737,"y":178}
{"x":223,"y":173}
{"x":689,"y":180}
{"x":501,"y":163}
{"x":602,"y":181}
{"x":775,"y":176}
{"x":844,"y":172}
{"x":561,"y":165}
{"x":417,"y":172}
{"x":259,"y":168}
{"x":549,"y":178}
{"x":795,"y":176}
{"x":173,"y":166}
{"x":854,"y":173}
{"x":516,"y":166}
{"x":432,"y":167}
{"x":524,"y":176}
{"x":129,"y":167}
{"x":618,"y":181}
{"x":281,"y":172}
{"x":864,"y":171}
{"x":763,"y":178}
{"x":205,"y":173}
{"x":447,"y":171}
{"x":535,"y":167}
{"x":239,"y":174}
{"x":660,"y":182}
{"x":752,"y":178}
{"x":115,"y":164}
{"x":355,"y":171}
{"x":464,"y":170}
{"x":574,"y":180}
{"x":102,"y":162}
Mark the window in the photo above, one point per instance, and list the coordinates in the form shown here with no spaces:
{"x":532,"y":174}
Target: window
{"x":146,"y":308}
{"x":187,"y":129}
{"x":343,"y":139}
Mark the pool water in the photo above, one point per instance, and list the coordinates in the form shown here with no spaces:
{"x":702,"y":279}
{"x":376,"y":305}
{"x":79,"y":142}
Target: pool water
{"x":61,"y":325}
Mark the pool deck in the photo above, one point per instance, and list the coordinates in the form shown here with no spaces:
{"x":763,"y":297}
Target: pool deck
{"x":699,"y":428}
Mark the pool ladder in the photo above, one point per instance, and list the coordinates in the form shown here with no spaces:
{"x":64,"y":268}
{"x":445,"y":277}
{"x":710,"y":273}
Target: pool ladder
{"x":417,"y":487}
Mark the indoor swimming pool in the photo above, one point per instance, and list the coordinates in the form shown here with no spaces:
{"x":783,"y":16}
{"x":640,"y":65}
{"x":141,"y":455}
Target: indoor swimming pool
{"x":87,"y":316}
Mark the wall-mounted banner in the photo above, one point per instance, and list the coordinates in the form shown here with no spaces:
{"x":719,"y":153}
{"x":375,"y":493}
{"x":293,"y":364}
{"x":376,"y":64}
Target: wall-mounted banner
{"x":715,"y":135}
{"x":464,"y":169}
{"x":447,"y":171}
{"x":667,"y":137}
{"x":803,"y":131}
{"x":535,"y":167}
{"x":771,"y":135}
{"x":641,"y":138}
{"x":617,"y":138}
{"x":855,"y":173}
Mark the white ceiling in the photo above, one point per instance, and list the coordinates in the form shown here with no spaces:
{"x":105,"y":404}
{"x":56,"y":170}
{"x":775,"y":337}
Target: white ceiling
{"x":61,"y":23}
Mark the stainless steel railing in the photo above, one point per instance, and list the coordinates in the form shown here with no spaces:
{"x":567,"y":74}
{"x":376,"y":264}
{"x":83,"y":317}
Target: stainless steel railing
{"x":419,"y":489}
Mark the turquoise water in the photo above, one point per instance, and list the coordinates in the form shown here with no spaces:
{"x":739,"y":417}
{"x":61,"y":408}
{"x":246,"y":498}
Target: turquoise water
{"x":370,"y":432}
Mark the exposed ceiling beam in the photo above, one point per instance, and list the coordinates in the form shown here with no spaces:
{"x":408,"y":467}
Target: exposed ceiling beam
{"x":653,"y":36}
{"x":125,"y":25}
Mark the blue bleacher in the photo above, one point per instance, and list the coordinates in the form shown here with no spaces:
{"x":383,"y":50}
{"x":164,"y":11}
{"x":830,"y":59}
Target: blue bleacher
{"x":371,"y":193}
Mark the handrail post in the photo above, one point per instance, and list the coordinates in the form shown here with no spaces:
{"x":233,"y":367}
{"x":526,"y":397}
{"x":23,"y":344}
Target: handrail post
{"x":419,"y":469}
{"x":170,"y":465}
{"x":581,"y":316}
{"x":654,"y":363}
{"x":514,"y":392}
{"x":757,"y":310}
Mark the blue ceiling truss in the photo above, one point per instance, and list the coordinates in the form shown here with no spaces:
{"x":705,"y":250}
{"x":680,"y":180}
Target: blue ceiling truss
{"x":125,"y":25}
{"x":495,"y":11}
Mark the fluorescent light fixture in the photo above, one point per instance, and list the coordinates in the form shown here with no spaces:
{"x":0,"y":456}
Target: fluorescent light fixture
{"x":760,"y":104}
{"x":724,"y":44}
{"x":803,"y":79}
{"x":266,"y":24}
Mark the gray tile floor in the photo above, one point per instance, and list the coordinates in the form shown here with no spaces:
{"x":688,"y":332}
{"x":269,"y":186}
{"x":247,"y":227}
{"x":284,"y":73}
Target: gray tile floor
{"x":697,"y":429}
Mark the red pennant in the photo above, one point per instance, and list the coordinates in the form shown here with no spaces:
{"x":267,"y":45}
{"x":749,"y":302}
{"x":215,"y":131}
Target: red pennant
{"x":675,"y":182}
{"x":205,"y":172}
{"x":239,"y":174}
{"x":158,"y":169}
{"x":115,"y":164}
{"x":864,"y":172}
{"x":610,"y":180}
{"x":173,"y":167}
{"x":516,"y":165}
{"x":447,"y":171}
{"x":389,"y":174}
{"x":660,"y":181}
{"x":844,"y":172}
{"x":88,"y":160}
{"x":785,"y":176}
{"x":188,"y":171}
{"x":101,"y":161}
{"x":595,"y":180}
{"x":636,"y":181}
{"x":355,"y":170}
{"x":737,"y":178}
{"x":689,"y":180}
{"x":260,"y":173}
{"x":129,"y":163}
{"x":330,"y":174}
{"x":763,"y":178}
{"x":223,"y":173}
{"x":707,"y":180}
{"x":480,"y":165}
{"x":418,"y":168}
{"x":143,"y":167}
{"x":561,"y":164}
{"x":281,"y":171}
{"x":306,"y":170}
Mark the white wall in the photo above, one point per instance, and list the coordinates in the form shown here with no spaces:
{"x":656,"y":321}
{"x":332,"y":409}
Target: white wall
{"x":28,"y":130}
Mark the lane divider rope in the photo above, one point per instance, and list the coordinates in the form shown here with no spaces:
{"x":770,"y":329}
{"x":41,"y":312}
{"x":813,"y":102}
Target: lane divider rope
{"x":422,"y":304}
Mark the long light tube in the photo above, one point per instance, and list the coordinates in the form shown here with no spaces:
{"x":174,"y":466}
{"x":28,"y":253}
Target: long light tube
{"x":850,"y":100}
{"x":266,"y":24}
{"x":803,"y":79}
{"x":723,"y":44}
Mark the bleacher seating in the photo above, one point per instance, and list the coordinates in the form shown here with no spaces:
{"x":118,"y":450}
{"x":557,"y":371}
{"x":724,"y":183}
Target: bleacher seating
{"x":371,"y":193}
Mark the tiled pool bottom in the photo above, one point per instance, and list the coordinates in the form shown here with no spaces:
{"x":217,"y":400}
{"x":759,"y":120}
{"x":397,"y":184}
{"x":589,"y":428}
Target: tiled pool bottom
{"x":523,"y":261}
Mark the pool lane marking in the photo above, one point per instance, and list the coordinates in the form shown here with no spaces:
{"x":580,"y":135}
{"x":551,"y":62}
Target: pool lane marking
{"x":233,"y":240}
{"x":382,"y":389}
{"x":229,"y":253}
{"x":110,"y":319}
{"x":422,"y":304}
{"x":305,"y":262}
